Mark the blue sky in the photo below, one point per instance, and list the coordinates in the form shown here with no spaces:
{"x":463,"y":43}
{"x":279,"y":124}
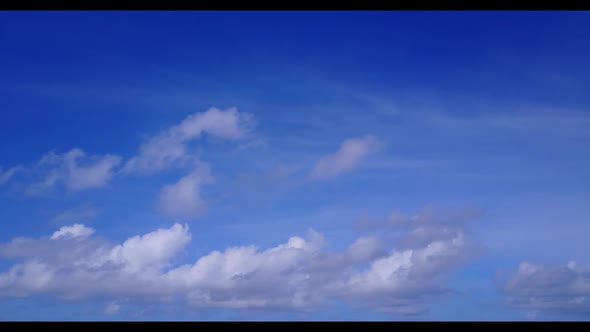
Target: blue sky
{"x":294,"y":165}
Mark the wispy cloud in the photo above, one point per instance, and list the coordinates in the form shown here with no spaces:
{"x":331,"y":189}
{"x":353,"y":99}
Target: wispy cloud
{"x":183,"y":198}
{"x":430,"y":215}
{"x":527,"y":119}
{"x":72,"y":171}
{"x":348,"y":157}
{"x":169,"y":148}
{"x":5,"y":176}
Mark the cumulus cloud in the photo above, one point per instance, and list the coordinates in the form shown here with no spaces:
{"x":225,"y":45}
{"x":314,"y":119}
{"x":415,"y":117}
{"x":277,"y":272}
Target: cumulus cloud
{"x":76,"y":231}
{"x":152,"y":250}
{"x":246,"y":277}
{"x":73,"y":268}
{"x":300,"y":274}
{"x":5,"y":176}
{"x":169,"y":148}
{"x":539,"y":288}
{"x":365,"y":248}
{"x":183,"y":198}
{"x":429,"y":225}
{"x":72,"y":171}
{"x":348,"y":157}
{"x":413,"y":273}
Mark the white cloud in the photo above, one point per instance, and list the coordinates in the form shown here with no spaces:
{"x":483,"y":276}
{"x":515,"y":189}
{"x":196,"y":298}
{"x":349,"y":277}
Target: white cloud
{"x":246,"y":277}
{"x":365,"y":248}
{"x":183,"y":198}
{"x":539,"y":288}
{"x":415,"y":274}
{"x":31,"y":276}
{"x":72,"y":171}
{"x":228,"y":124}
{"x":91,"y":267}
{"x":158,"y":153}
{"x":169,"y":148}
{"x":152,"y":250}
{"x":8,"y":174}
{"x":76,"y":231}
{"x":348,"y":157}
{"x":300,"y":274}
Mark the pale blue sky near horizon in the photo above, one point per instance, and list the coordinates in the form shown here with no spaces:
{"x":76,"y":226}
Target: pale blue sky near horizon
{"x":304,"y":165}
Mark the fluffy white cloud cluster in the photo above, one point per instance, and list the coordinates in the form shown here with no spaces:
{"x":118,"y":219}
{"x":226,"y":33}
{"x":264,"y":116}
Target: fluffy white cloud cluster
{"x":299,"y":274}
{"x":75,"y":171}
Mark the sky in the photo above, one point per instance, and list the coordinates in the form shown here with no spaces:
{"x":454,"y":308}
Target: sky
{"x":394,"y":165}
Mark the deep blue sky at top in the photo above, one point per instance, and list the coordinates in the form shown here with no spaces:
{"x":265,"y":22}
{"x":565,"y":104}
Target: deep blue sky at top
{"x":226,"y":55}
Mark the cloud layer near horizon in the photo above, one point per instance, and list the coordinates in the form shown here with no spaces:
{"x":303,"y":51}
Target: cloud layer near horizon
{"x":538,"y":288}
{"x":300,"y":274}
